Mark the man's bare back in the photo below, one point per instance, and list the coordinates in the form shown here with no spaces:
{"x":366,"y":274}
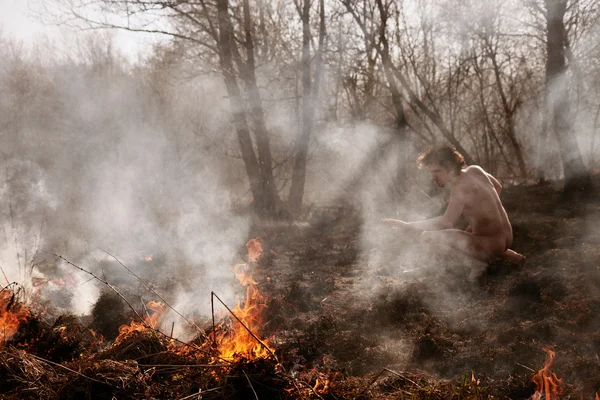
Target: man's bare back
{"x":482,"y":208}
{"x":475,"y":196}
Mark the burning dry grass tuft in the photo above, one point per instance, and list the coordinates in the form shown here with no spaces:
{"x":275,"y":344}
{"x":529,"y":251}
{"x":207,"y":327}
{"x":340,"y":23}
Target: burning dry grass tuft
{"x":12,"y":313}
{"x":548,"y":385}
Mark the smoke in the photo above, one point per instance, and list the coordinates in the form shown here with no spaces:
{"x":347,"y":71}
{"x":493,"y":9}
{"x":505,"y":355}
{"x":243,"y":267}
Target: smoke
{"x":100,"y":157}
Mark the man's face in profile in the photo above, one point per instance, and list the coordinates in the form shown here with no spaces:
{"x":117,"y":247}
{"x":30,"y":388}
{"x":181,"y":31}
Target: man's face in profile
{"x":439,"y":174}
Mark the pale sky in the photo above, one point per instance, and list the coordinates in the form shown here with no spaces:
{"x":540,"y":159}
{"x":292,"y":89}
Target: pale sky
{"x":17,"y":22}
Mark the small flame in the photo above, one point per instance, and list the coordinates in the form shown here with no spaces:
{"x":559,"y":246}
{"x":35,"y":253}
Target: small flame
{"x":547,"y":383}
{"x":12,"y":314}
{"x":255,"y":249}
{"x":597,"y":397}
{"x":151,"y":320}
{"x":97,"y":339}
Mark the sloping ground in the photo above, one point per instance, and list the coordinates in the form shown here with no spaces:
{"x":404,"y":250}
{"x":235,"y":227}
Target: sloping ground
{"x":333,"y":312}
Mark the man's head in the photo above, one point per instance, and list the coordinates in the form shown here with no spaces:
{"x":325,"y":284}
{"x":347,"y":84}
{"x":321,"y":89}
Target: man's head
{"x":442,"y":162}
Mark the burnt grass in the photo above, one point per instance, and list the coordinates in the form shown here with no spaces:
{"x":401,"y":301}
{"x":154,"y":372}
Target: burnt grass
{"x":351,"y":318}
{"x":332,"y":311}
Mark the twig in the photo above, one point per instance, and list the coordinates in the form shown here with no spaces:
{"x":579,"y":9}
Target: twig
{"x":107,"y":284}
{"x":144,"y":307}
{"x":68,"y":369}
{"x":14,"y":229}
{"x":136,"y":313}
{"x":526,"y":367}
{"x":91,"y":279}
{"x":312,"y":390}
{"x":250,"y":383}
{"x":403,"y":377}
{"x":7,"y":286}
{"x":200,"y":392}
{"x":38,"y":242}
{"x":212,"y":309}
{"x":184,"y":365}
{"x":245,"y":327}
{"x":371,"y":383}
{"x":156,"y":294}
{"x":4,"y":275}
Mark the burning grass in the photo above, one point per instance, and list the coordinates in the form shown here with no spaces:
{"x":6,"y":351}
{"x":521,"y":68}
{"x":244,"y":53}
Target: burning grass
{"x":12,"y":313}
{"x":308,"y":326}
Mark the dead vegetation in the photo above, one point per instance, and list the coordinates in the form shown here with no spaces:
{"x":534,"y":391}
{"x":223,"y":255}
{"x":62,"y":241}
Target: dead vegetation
{"x":343,"y":330}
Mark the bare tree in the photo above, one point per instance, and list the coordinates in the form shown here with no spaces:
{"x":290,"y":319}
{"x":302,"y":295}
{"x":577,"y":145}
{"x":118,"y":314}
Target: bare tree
{"x":309,"y":99}
{"x":576,"y":177}
{"x":208,"y":27}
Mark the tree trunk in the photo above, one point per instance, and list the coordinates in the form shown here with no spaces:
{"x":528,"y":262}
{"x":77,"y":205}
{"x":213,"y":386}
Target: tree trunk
{"x":509,"y":111}
{"x":237,"y":107}
{"x":401,"y":123}
{"x":265,"y":159}
{"x":309,"y":97}
{"x":577,"y":178}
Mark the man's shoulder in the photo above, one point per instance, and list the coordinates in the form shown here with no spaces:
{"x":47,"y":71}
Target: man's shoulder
{"x":475,"y":169}
{"x":471,"y":177}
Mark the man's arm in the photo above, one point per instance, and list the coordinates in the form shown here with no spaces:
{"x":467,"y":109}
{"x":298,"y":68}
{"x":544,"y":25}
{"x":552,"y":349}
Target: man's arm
{"x":496,"y":184}
{"x":446,"y":221}
{"x":431,"y":224}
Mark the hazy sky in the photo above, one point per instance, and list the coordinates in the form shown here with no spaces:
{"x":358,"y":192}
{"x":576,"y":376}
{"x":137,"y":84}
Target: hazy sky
{"x":17,"y":21}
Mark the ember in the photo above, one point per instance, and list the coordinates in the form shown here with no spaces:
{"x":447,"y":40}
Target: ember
{"x":547,"y":383}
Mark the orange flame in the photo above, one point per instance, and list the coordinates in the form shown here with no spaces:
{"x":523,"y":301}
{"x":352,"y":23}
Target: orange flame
{"x":238,"y":342}
{"x":11,"y":315}
{"x":547,"y":383}
{"x":255,"y":249}
{"x":151,"y":320}
{"x":597,"y":397}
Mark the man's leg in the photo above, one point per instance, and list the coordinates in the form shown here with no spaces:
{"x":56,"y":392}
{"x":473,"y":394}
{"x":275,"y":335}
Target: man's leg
{"x":463,"y":248}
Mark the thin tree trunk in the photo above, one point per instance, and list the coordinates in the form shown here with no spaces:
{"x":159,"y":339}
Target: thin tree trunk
{"x":263,"y":145}
{"x":509,"y":112}
{"x":401,"y":123}
{"x":577,"y":178}
{"x":486,"y":115}
{"x":237,"y":105}
{"x":309,"y":97}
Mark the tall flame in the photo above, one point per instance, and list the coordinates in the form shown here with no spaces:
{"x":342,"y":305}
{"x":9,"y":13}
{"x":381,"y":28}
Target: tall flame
{"x":238,"y":341}
{"x":547,"y":383}
{"x":12,"y":314}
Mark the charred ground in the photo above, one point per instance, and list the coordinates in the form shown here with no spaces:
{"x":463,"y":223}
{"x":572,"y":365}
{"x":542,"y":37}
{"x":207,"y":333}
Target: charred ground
{"x":345,"y":327}
{"x":333,"y":311}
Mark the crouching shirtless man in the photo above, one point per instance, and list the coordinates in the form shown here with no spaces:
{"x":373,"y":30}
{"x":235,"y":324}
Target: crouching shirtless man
{"x":475,"y":196}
